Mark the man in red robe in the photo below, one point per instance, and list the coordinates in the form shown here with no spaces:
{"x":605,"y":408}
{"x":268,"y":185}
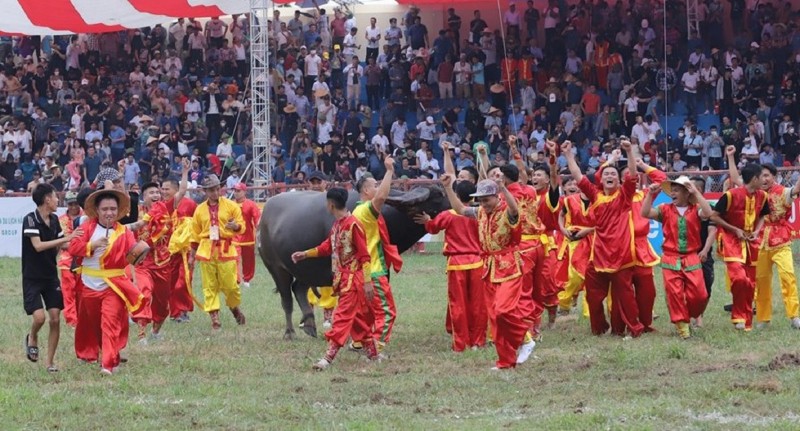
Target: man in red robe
{"x":154,"y":273}
{"x":352,"y":281}
{"x":181,"y":299}
{"x":739,"y":216}
{"x":69,"y":280}
{"x":500,"y":234}
{"x":680,"y":263}
{"x":578,"y":229}
{"x":613,"y":255}
{"x":108,"y":294}
{"x":465,"y":286}
{"x":246,"y":242}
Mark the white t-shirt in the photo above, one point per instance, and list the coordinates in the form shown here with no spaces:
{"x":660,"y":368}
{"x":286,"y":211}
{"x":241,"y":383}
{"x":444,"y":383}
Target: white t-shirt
{"x":381,"y":143}
{"x":324,"y":132}
{"x":312,"y":64}
{"x":689,"y":81}
{"x":192,"y":110}
{"x":95,"y":283}
{"x":462,"y":72}
{"x":632,"y":104}
{"x":348,"y":41}
{"x":426,"y":130}
{"x":372,"y":33}
{"x":398,"y":133}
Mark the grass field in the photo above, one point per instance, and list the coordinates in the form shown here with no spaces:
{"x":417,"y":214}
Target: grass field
{"x":248,"y":378}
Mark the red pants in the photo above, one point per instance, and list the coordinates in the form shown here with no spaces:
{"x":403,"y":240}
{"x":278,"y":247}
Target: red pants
{"x":352,"y":314}
{"x":686,"y":294}
{"x":645,"y":286}
{"x":70,"y":290}
{"x":179,"y":299}
{"x":247,"y":255}
{"x":545,"y":289}
{"x":509,"y":320}
{"x":155,"y":284}
{"x":466,"y":308}
{"x":102,"y":325}
{"x":532,"y":262}
{"x":624,"y":310}
{"x":383,"y":309}
{"x":743,"y":289}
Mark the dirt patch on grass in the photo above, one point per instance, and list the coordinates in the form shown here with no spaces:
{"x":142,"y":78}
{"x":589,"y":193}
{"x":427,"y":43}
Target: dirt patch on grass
{"x":339,"y":380}
{"x":721,"y":367}
{"x":786,"y":360}
{"x":769,"y":386}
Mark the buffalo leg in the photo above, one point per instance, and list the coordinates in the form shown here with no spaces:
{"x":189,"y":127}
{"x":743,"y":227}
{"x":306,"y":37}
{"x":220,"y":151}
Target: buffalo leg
{"x":301,"y":295}
{"x":283,"y":284}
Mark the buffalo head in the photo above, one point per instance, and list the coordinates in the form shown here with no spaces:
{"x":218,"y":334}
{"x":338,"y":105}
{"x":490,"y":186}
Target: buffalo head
{"x":429,"y":199}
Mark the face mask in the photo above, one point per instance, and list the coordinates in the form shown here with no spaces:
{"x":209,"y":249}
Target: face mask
{"x":791,"y":130}
{"x":680,"y":135}
{"x":714,"y":133}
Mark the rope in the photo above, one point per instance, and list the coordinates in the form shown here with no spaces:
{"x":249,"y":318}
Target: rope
{"x":668,"y":90}
{"x":505,"y":54}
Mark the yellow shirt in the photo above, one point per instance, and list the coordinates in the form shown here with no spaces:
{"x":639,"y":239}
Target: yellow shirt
{"x":201,"y":227}
{"x":368,"y":217}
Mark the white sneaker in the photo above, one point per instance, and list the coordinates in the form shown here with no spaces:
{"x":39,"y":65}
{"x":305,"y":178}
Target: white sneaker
{"x":327,"y":325}
{"x":525,"y":351}
{"x":494,"y":369}
{"x":143,"y":341}
{"x":762,"y":325}
{"x":739,"y":326}
{"x":796,"y":323}
{"x":157,"y":336}
{"x":246,"y":285}
{"x":322,"y":365}
{"x":106,"y":372}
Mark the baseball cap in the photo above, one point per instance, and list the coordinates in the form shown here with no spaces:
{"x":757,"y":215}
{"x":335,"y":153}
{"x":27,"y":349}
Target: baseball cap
{"x":240,"y":186}
{"x":485,"y":188}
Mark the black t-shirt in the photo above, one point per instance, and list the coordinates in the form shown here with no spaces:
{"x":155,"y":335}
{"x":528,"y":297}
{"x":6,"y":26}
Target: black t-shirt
{"x":328,"y":162}
{"x":39,"y":265}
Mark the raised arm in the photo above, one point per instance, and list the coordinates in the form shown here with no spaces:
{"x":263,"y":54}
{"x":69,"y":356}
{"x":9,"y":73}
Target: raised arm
{"x":514,"y":151}
{"x":705,"y":207}
{"x":647,"y":203}
{"x":449,"y":168}
{"x":513,"y":209}
{"x":630,"y":151}
{"x":184,"y":185}
{"x":555,"y":179}
{"x":574,"y":169}
{"x":483,"y":159}
{"x":733,"y":171}
{"x":455,"y":203}
{"x":385,"y":186}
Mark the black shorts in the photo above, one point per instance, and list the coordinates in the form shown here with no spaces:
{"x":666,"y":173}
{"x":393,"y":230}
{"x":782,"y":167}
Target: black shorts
{"x":36,"y":291}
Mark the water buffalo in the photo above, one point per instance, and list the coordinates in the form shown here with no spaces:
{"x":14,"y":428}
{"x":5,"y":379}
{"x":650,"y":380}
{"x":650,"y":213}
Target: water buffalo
{"x":298,"y":220}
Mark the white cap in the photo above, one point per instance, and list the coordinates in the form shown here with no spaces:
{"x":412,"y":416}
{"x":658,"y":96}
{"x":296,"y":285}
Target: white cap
{"x":429,"y":119}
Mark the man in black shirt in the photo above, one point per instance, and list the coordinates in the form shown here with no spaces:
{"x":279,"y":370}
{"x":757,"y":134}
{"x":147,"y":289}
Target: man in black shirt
{"x":708,"y":236}
{"x":41,"y":238}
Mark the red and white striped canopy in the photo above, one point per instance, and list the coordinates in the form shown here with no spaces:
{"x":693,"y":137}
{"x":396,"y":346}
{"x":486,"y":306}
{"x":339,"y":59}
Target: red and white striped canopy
{"x":40,"y":17}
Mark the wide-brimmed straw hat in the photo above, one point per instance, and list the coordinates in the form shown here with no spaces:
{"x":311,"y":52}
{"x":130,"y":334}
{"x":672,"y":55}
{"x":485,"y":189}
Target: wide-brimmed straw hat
{"x":682,"y":180}
{"x":90,"y":207}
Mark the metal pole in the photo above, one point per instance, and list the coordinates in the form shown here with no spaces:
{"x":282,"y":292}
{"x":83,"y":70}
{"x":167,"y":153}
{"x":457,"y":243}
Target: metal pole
{"x":260,"y":94}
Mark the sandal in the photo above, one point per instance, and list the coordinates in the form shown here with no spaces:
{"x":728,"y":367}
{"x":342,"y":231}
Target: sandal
{"x":32,"y":352}
{"x":52,"y":369}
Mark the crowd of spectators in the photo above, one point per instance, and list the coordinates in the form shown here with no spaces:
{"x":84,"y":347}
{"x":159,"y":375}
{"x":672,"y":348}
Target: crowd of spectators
{"x":136,"y":100}
{"x":588,"y":72}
